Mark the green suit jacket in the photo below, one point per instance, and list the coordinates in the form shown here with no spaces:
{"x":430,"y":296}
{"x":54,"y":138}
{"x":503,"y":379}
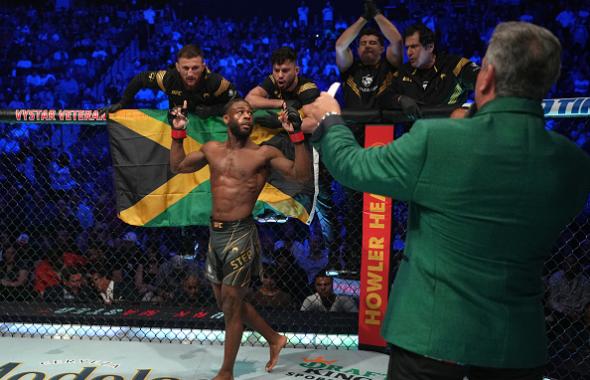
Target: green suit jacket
{"x":488,"y":196}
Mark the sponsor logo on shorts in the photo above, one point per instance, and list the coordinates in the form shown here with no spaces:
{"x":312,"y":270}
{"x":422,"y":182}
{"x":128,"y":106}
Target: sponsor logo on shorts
{"x":241,"y":260}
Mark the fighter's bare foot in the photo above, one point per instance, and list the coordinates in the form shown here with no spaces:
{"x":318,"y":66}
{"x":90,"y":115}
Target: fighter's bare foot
{"x":275,"y":350}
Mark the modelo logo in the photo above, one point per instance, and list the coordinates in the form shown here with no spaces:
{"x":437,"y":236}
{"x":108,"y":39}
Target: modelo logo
{"x":6,"y":373}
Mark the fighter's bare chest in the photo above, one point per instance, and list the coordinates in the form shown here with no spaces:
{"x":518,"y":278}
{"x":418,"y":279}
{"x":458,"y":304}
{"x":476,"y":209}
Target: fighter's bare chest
{"x":237,"y":164}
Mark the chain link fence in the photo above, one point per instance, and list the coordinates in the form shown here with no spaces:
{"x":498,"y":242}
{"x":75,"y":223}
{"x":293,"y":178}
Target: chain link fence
{"x":70,"y":267}
{"x":62,"y":245}
{"x":567,"y":280}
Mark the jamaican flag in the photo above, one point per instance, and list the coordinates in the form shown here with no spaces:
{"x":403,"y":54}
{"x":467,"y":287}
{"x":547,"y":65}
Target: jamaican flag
{"x":149,"y":194}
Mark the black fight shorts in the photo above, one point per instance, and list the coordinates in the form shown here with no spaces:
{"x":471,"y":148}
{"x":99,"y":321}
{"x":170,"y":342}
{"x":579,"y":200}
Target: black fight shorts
{"x":233,"y":257}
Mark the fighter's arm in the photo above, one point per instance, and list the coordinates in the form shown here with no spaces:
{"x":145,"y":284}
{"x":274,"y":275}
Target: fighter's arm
{"x":300,"y":168}
{"x":180,"y":162}
{"x":394,"y":52}
{"x":185,"y":163}
{"x":344,"y":57}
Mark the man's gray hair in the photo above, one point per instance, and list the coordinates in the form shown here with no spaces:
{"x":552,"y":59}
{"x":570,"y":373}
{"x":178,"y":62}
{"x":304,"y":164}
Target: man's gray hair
{"x":526,"y":58}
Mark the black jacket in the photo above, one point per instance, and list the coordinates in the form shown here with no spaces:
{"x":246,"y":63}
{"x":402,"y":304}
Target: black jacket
{"x":304,"y":93}
{"x":208,"y":99}
{"x":447,"y":82}
{"x":363,"y":84}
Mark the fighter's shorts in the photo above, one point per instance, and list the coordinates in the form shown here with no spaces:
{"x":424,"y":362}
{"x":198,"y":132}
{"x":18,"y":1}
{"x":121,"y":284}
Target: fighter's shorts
{"x":233,"y":257}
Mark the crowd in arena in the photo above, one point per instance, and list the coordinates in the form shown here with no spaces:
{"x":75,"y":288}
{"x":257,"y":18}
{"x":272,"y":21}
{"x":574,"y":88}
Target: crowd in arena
{"x":59,"y":218}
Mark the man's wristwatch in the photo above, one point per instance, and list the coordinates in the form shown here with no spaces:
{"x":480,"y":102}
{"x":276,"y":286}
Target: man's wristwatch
{"x":326,"y":115}
{"x":326,"y":122}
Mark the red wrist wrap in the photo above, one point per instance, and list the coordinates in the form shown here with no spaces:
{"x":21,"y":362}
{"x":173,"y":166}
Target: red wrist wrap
{"x":297,"y":137}
{"x":178,"y":134}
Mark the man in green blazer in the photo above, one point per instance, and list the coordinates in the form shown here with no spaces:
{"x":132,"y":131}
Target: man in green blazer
{"x":488,"y":196}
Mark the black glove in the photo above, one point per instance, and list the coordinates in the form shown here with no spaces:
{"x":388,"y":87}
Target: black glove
{"x":178,"y":133}
{"x":293,"y":103}
{"x":111,"y":109}
{"x":409,"y":107}
{"x":268,"y":120}
{"x":370,"y":10}
{"x":295,"y":119}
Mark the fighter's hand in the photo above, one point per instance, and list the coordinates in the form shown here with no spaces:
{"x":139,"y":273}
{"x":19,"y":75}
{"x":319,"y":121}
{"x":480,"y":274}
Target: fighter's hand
{"x":291,"y":122}
{"x":287,"y":126}
{"x":179,"y":118}
{"x":324,"y":104}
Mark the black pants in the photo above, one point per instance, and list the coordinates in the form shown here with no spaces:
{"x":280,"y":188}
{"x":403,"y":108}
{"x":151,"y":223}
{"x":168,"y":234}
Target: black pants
{"x":406,"y":365}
